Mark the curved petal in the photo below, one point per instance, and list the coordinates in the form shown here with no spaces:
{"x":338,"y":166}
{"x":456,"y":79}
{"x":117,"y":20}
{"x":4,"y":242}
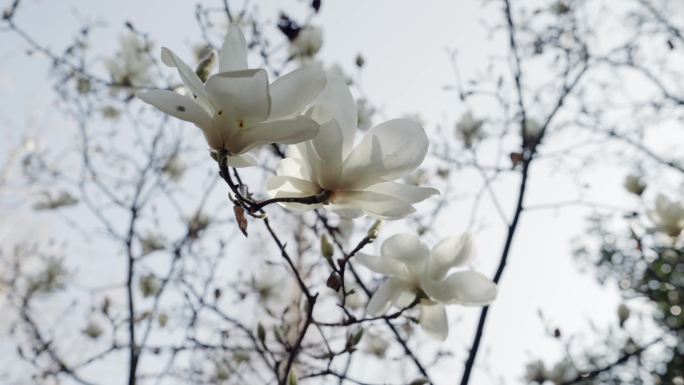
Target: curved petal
{"x":323,"y":154}
{"x":336,"y":102}
{"x":385,"y":297}
{"x":463,"y":287}
{"x":388,"y":151}
{"x":345,"y":212}
{"x":240,"y":161}
{"x":407,"y":249}
{"x":456,"y":250}
{"x":286,"y":131}
{"x":406,"y":192}
{"x":186,"y":109}
{"x":386,"y":266}
{"x":188,"y":76}
{"x":240,"y":96}
{"x":233,"y":51}
{"x":433,"y":319}
{"x":291,"y":93}
{"x":378,"y":206}
{"x":293,"y":167}
{"x":287,"y":186}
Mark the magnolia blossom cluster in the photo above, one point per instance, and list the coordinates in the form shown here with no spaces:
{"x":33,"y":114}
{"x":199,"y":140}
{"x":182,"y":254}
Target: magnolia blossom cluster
{"x":239,"y":110}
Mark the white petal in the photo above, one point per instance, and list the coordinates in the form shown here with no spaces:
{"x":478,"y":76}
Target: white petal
{"x":463,"y":287}
{"x":378,"y":206}
{"x":293,"y":92}
{"x":345,"y":213}
{"x":189,"y":77}
{"x":285,"y":186}
{"x":386,"y":266}
{"x":234,"y":51}
{"x":388,"y":151}
{"x":286,"y":131}
{"x":293,"y":167}
{"x":186,"y":109}
{"x":456,"y":250}
{"x":407,"y":249}
{"x":240,"y":96}
{"x":323,"y":154}
{"x":240,"y":161}
{"x":336,"y":102}
{"x":433,"y":319}
{"x":385,"y":297}
{"x":407,"y":193}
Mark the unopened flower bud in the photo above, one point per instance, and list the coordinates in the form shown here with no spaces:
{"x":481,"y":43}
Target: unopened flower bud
{"x":374,"y":231}
{"x":327,"y":248}
{"x":634,"y":184}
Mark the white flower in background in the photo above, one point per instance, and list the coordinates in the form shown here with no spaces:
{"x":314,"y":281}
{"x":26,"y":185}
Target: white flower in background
{"x":563,"y":372}
{"x":358,"y":180}
{"x":535,"y":371}
{"x":64,"y":199}
{"x":416,"y":271}
{"x":131,"y":65}
{"x":308,"y":42}
{"x":237,"y":109}
{"x":667,"y":216}
{"x":469,"y":130}
{"x":93,"y":330}
{"x":375,"y":344}
{"x":268,"y":284}
{"x":634,"y":184}
{"x":174,"y":168}
{"x":365,"y":114}
{"x":533,"y":131}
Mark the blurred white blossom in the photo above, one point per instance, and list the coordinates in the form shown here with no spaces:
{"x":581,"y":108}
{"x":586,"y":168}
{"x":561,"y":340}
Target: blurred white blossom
{"x":469,"y":130}
{"x":130,"y":67}
{"x":365,"y":114}
{"x":308,"y":42}
{"x":634,"y":184}
{"x":667,"y":216}
{"x":48,"y":202}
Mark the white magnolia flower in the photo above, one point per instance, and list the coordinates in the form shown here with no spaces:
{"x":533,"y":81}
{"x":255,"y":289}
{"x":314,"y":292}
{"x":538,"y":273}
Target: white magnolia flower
{"x":358,"y":180}
{"x":237,"y":109}
{"x":308,"y":42}
{"x":131,"y":65}
{"x":416,"y":271}
{"x":667,"y":216}
{"x":634,"y":184}
{"x":469,"y":130}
